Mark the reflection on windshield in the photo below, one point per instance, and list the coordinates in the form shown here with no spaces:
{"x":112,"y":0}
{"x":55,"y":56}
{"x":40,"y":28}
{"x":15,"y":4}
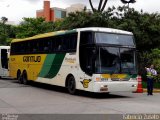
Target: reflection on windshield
{"x":108,"y":60}
{"x":127,"y":60}
{"x":115,"y":60}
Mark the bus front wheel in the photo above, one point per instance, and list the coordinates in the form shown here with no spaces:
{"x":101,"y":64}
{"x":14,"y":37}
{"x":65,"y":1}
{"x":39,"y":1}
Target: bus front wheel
{"x":71,"y":85}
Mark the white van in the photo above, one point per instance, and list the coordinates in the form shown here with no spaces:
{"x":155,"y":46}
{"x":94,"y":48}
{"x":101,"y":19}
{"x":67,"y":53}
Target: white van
{"x":4,"y":58}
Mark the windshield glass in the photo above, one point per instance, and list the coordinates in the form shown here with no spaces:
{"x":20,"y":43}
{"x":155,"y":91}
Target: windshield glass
{"x":108,"y":60}
{"x":128,"y":62}
{"x":114,"y":39}
{"x":107,"y":53}
{"x":116,"y":60}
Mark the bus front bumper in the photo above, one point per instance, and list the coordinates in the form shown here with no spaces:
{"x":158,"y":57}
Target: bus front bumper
{"x":114,"y":86}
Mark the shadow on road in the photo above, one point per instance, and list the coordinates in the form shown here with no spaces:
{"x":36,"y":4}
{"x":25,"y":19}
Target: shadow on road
{"x":78,"y":93}
{"x":64,"y":90}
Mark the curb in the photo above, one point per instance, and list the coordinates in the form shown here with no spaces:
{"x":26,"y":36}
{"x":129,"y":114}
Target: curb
{"x":154,"y":90}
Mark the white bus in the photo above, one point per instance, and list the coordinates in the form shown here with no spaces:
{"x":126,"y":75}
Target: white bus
{"x":4,"y":57}
{"x":92,"y":59}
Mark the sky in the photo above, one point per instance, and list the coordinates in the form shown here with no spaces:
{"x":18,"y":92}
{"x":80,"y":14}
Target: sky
{"x":15,"y":10}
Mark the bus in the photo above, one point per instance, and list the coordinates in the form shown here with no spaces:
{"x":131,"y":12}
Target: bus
{"x":94,"y":59}
{"x":4,"y":57}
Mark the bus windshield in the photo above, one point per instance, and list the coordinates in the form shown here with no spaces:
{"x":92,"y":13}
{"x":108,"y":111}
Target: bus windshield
{"x":115,"y":60}
{"x":102,"y":53}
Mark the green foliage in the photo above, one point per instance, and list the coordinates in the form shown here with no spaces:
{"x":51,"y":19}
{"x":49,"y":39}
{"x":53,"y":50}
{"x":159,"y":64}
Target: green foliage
{"x":83,"y":19}
{"x":156,"y":84}
{"x":33,"y":26}
{"x":148,"y":58}
{"x":6,"y":31}
{"x":3,"y":39}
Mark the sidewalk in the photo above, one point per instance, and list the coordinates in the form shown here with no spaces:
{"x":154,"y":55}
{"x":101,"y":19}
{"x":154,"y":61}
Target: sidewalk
{"x":154,"y":90}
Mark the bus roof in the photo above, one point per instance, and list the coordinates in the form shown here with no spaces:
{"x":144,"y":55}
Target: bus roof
{"x":37,"y":36}
{"x":99,"y":29}
{"x":4,"y":47}
{"x":109,"y":30}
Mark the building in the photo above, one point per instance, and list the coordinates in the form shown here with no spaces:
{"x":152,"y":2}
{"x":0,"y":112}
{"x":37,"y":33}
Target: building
{"x":75,"y":7}
{"x":51,"y":14}
{"x":54,"y":13}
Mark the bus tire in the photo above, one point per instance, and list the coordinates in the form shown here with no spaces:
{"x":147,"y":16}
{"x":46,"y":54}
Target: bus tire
{"x":24,"y":78}
{"x":71,"y":85}
{"x":19,"y":77}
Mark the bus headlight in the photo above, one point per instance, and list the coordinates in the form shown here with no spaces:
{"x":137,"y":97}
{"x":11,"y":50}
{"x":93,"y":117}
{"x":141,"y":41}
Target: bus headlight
{"x":98,"y":79}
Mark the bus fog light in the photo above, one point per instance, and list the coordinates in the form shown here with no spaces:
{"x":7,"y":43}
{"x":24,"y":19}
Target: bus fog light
{"x":134,"y":85}
{"x":104,"y":85}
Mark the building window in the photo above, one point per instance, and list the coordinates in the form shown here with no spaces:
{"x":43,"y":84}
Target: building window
{"x":60,"y":14}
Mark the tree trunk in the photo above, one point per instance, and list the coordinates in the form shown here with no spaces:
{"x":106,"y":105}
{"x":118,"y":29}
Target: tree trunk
{"x":100,"y":5}
{"x":104,"y":5}
{"x":90,"y":2}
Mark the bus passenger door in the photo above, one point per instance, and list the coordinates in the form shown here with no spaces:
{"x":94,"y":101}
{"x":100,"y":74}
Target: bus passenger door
{"x":87,"y":64}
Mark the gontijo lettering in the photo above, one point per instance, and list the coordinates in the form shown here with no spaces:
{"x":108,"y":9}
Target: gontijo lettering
{"x":32,"y":59}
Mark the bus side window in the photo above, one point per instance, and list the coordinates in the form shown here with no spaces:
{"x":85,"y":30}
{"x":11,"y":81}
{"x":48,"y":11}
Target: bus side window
{"x":22,"y":50}
{"x":73,"y":42}
{"x":12,"y":48}
{"x":53,"y":45}
{"x":86,"y":38}
{"x":58,"y":44}
{"x":66,"y":43}
{"x":47,"y":44}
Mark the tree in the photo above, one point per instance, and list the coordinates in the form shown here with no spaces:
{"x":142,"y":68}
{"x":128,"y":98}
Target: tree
{"x":83,"y":19}
{"x":3,"y":34}
{"x":33,"y":26}
{"x":6,"y":36}
{"x":4,"y":20}
{"x":101,"y":6}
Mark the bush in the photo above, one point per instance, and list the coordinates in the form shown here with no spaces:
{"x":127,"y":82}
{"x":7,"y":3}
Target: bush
{"x":148,"y":58}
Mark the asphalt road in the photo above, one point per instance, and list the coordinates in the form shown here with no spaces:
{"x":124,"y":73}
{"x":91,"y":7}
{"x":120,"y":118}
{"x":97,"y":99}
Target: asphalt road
{"x":46,"y":99}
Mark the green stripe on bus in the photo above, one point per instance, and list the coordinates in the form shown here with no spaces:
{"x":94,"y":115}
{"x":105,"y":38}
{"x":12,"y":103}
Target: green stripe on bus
{"x":54,"y":63}
{"x":47,"y":65}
